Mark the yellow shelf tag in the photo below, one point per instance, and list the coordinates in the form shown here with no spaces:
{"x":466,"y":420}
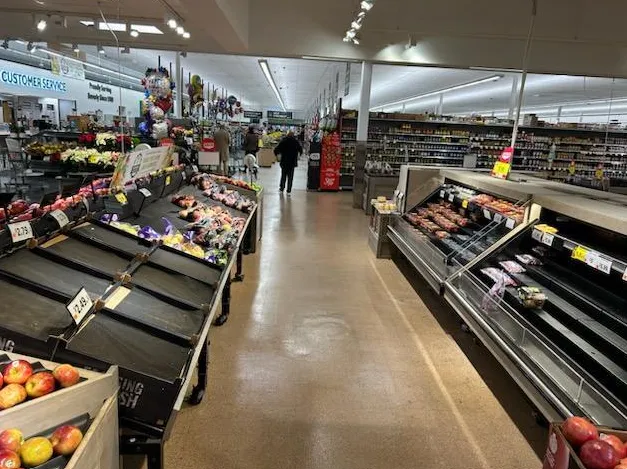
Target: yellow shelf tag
{"x":120,"y":197}
{"x":580,"y":254}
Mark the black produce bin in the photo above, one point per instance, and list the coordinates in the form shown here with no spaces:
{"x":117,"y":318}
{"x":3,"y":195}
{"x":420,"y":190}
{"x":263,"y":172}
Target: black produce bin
{"x":110,"y":239}
{"x":175,"y":261}
{"x":151,"y":369}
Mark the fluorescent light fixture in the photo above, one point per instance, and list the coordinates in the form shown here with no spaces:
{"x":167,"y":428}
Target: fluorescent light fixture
{"x":444,"y":90}
{"x":134,"y":33}
{"x":180,"y":30}
{"x":102,"y":26}
{"x":101,"y":50}
{"x":186,"y":35}
{"x":87,"y":23}
{"x":356,"y":25}
{"x":41,"y":25}
{"x":367,"y":5}
{"x":266,"y":71}
{"x":146,"y":29}
{"x":75,"y":48}
{"x":172,"y":23}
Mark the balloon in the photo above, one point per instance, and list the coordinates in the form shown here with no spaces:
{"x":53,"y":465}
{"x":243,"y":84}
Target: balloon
{"x":231,"y":100}
{"x":164,"y":104}
{"x":143,"y":128}
{"x":156,"y":113}
{"x":160,"y":130}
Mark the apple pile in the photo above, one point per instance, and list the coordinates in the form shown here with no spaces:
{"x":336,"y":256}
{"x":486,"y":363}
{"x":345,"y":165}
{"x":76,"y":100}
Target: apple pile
{"x":15,"y":452}
{"x":596,"y":450}
{"x":18,"y":382}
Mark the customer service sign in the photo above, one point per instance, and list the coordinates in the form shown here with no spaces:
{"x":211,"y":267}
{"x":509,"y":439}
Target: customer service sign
{"x":26,"y":80}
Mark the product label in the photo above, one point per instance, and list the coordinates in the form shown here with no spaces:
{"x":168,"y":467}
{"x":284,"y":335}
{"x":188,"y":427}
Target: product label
{"x":537,"y":235}
{"x":441,"y":194}
{"x":487,"y":214}
{"x":121,"y":197}
{"x":510,"y":223}
{"x":464,"y":204}
{"x":20,"y":231}
{"x":547,"y":238}
{"x":145,"y":192}
{"x":168,"y":180}
{"x":451,"y":198}
{"x":60,"y":217}
{"x":498,"y":217}
{"x":80,"y":305}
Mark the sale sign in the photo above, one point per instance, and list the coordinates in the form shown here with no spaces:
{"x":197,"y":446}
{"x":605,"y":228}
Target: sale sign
{"x":330,"y":162}
{"x":208,"y":144}
{"x":503,"y":165}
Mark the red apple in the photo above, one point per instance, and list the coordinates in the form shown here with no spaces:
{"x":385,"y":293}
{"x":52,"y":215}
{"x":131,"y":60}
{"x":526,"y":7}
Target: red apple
{"x":618,"y":445}
{"x":66,"y":375}
{"x":12,"y":394}
{"x":40,"y":384}
{"x":66,"y":439}
{"x":9,"y":459}
{"x":11,"y":439}
{"x":598,"y":454}
{"x":578,"y":430}
{"x":1,"y":381}
{"x":17,"y":372}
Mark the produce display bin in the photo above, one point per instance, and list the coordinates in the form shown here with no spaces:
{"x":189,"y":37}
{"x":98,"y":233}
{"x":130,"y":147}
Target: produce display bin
{"x":90,"y":404}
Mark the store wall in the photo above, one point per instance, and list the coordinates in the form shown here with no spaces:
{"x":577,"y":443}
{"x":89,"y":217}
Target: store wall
{"x":90,"y":96}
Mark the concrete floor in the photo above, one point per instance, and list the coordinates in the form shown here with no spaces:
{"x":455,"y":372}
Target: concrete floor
{"x":331,"y":359}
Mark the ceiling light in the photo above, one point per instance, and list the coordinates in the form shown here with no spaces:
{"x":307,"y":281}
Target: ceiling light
{"x":366,"y":5}
{"x":101,"y":50}
{"x":180,"y":30}
{"x":361,"y":14}
{"x":444,"y":90}
{"x":346,"y":39}
{"x":186,"y":35}
{"x":356,"y":40}
{"x":41,"y":25}
{"x":87,"y":23}
{"x":102,"y":26}
{"x":172,"y":23}
{"x":5,"y":44}
{"x":266,"y":71}
{"x":146,"y":29}
{"x":351,"y":33}
{"x":356,"y":25}
{"x":75,"y":48}
{"x":134,"y":33}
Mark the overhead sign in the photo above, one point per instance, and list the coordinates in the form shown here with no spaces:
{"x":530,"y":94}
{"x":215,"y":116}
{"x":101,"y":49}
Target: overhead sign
{"x":25,"y":80}
{"x":138,"y":164}
{"x":503,"y":165}
{"x":279,"y":115}
{"x":253,"y":114}
{"x":67,"y":68}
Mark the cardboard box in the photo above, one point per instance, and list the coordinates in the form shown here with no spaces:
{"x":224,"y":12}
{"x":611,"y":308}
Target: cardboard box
{"x":561,"y":455}
{"x":266,"y":158}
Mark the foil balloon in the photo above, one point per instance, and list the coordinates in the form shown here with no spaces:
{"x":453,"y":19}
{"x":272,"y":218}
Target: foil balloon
{"x":157,"y":102}
{"x":156,"y":113}
{"x":159,"y":130}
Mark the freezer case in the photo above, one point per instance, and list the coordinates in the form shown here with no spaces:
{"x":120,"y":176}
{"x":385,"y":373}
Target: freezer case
{"x":452,"y":226}
{"x":550,"y":305}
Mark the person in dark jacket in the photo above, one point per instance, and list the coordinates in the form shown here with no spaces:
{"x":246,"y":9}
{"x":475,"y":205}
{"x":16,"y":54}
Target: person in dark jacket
{"x":251,"y":141}
{"x":290,"y":150}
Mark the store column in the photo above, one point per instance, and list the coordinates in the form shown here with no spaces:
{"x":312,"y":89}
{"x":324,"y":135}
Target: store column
{"x":362,"y":134}
{"x":178,"y":109}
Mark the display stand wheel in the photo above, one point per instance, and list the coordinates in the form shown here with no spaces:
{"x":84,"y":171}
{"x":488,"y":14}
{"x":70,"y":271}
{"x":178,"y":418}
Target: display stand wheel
{"x":238,"y":278}
{"x":196,"y":396}
{"x":198,"y":392}
{"x":220,"y":320}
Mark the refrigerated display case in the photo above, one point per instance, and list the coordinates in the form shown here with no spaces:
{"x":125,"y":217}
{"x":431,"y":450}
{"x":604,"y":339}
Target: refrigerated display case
{"x":551,"y":299}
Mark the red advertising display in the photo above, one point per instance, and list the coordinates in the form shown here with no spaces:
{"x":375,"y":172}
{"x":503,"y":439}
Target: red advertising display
{"x":503,"y":165}
{"x":208,"y":144}
{"x":330,"y":162}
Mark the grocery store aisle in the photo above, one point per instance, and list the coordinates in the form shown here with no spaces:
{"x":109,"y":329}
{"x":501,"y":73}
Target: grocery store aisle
{"x":331,"y":359}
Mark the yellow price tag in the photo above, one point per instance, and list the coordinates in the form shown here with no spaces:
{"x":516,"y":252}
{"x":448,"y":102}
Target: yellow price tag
{"x":168,"y":179}
{"x":501,"y":170}
{"x":120,"y":197}
{"x":464,"y":204}
{"x":580,"y":254}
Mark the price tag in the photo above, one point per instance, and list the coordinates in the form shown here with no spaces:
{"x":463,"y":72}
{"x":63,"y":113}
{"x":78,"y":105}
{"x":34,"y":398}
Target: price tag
{"x":537,"y":235}
{"x":498,"y":217}
{"x":20,"y":231}
{"x":121,"y":197}
{"x":579,"y":254}
{"x":80,"y":305}
{"x":145,"y":192}
{"x":194,"y":168}
{"x":487,"y":214}
{"x":464,"y":204}
{"x":510,"y":223}
{"x":60,"y":217}
{"x":168,"y":179}
{"x":547,"y":238}
{"x":597,"y":262}
{"x":451,"y":197}
{"x":441,"y":194}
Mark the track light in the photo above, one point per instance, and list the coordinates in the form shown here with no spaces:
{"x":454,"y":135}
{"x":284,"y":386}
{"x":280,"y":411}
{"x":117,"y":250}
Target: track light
{"x":347,"y":39}
{"x":367,"y":5}
{"x":75,"y":48}
{"x":134,"y":33}
{"x":356,"y":41}
{"x":101,"y":50}
{"x":172,"y":23}
{"x":5,"y":44}
{"x":351,"y":33}
{"x":180,"y":30}
{"x":356,"y":25}
{"x":186,"y":35}
{"x":41,"y":25}
{"x":266,"y":71}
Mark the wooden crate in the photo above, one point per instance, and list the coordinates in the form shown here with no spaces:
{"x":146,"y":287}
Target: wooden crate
{"x":96,"y":396}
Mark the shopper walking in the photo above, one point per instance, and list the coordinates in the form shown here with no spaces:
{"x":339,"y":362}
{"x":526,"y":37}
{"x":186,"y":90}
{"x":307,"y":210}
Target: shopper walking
{"x":289,"y":150}
{"x":223,"y":141}
{"x":251,"y":142}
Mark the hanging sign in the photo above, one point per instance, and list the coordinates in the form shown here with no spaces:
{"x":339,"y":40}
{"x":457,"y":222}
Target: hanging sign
{"x":67,"y":67}
{"x":503,"y":165}
{"x":253,"y":114}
